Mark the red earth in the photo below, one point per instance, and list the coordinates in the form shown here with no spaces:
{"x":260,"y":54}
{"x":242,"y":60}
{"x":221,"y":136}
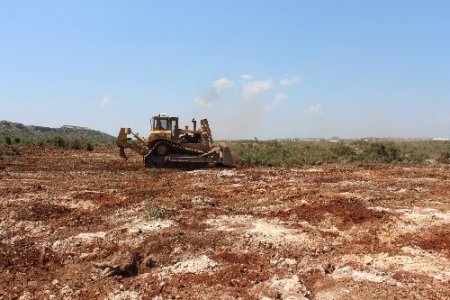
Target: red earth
{"x":86,"y":225}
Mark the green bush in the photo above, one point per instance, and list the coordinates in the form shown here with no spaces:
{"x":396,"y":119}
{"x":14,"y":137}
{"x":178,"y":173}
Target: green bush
{"x":8,"y":140}
{"x":380,"y":153}
{"x":9,"y":151}
{"x":89,"y":147}
{"x":76,"y":144}
{"x":444,"y":158}
{"x":156,"y":213}
{"x":152,"y":210}
{"x":59,"y":142}
{"x":291,"y":152}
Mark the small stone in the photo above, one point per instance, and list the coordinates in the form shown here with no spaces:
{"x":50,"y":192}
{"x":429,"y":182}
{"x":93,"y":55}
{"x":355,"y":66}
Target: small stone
{"x":55,"y":281}
{"x":290,"y":261}
{"x":56,"y":244}
{"x":124,"y":263}
{"x":367,"y":260}
{"x":329,"y":268}
{"x":105,"y":271}
{"x":303,"y":202}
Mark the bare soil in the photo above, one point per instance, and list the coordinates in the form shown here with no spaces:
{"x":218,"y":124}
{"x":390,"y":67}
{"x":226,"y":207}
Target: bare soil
{"x":89,"y":225}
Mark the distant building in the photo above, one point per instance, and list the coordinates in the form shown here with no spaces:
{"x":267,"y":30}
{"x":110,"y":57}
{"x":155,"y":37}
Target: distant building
{"x":334,"y":139}
{"x":74,"y":127}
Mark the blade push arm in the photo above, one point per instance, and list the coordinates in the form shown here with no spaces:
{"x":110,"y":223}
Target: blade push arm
{"x":123,"y":141}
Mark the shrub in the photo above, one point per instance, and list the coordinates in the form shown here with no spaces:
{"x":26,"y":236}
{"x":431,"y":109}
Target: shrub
{"x":343,"y":153}
{"x":156,"y":212}
{"x":76,"y":144}
{"x":376,"y":152}
{"x":9,"y":151}
{"x":152,"y":210}
{"x":152,"y":172}
{"x":299,"y":152}
{"x":385,"y":153}
{"x":59,"y":142}
{"x":444,"y":158}
{"x":8,"y":140}
{"x":17,"y":140}
{"x":89,"y":147}
{"x":15,"y":151}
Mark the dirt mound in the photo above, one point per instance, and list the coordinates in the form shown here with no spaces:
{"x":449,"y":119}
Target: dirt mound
{"x":41,"y":212}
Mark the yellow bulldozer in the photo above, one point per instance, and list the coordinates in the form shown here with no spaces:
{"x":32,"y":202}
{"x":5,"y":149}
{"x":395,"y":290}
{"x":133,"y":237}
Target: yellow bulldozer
{"x":167,"y":145}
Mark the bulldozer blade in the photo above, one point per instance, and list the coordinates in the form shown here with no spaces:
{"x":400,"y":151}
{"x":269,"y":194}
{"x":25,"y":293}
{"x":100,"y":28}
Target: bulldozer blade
{"x":122,"y":153}
{"x":227,"y":160}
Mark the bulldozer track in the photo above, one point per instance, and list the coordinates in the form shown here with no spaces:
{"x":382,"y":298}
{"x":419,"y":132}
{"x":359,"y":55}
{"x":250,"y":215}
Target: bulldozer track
{"x":153,"y":160}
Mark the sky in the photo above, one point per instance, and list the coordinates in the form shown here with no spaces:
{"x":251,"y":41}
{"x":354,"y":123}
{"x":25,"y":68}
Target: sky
{"x":264,"y":69}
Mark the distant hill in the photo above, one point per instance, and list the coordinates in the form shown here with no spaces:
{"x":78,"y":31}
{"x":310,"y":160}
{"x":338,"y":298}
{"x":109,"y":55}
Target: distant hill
{"x":31,"y":132}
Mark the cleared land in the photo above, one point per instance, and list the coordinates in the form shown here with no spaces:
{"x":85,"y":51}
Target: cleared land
{"x":91,"y":225}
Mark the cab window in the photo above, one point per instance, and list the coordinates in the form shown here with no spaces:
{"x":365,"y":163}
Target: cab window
{"x":160,"y":124}
{"x":164,"y":124}
{"x":175,"y":128}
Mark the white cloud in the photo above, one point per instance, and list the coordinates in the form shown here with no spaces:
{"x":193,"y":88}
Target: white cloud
{"x":221,"y":84}
{"x":290,"y":80}
{"x":255,"y":87}
{"x":279,"y":99}
{"x":315,"y":109}
{"x":105,"y":101}
{"x":246,"y":76}
{"x":202,"y":103}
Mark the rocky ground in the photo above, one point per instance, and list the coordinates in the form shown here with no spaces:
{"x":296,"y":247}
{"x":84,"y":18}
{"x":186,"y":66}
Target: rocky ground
{"x":88,"y":225}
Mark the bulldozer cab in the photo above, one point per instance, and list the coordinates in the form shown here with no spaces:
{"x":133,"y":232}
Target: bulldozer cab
{"x":164,"y":124}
